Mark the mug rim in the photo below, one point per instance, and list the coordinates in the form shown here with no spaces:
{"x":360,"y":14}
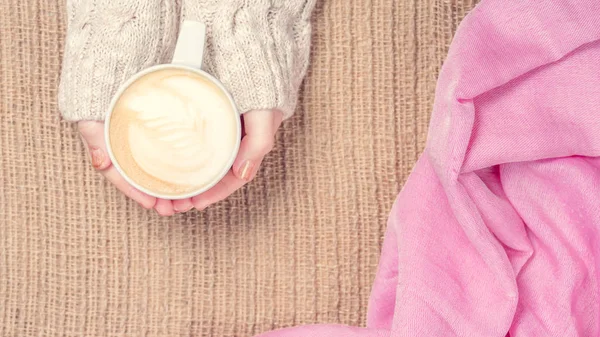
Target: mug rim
{"x":152,"y":69}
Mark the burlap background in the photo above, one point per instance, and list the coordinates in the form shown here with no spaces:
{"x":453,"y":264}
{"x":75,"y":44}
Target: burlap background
{"x":299,"y":245}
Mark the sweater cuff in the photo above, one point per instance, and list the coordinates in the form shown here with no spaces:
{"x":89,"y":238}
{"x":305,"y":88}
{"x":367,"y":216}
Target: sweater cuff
{"x":107,"y":43}
{"x":260,"y":51}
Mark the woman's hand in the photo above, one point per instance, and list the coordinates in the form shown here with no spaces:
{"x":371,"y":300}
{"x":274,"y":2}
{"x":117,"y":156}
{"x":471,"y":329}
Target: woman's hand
{"x":258,"y":137}
{"x":259,"y":128}
{"x":92,"y":134}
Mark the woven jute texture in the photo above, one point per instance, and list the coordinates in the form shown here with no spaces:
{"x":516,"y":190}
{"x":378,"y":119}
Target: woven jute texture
{"x":299,"y":245}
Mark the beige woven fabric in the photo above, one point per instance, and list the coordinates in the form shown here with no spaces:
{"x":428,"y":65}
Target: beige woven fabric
{"x":299,"y":245}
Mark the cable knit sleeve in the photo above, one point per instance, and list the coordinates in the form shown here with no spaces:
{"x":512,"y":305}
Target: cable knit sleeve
{"x":108,"y":41}
{"x":259,"y":49}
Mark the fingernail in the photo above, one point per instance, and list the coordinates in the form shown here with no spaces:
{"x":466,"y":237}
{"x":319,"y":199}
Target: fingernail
{"x":246,"y":170}
{"x":98,"y":157}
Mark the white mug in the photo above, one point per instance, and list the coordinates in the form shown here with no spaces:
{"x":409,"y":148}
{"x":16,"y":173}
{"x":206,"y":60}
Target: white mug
{"x":188,"y":56}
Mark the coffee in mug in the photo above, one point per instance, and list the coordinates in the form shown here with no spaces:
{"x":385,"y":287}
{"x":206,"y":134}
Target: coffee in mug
{"x":173,"y":131}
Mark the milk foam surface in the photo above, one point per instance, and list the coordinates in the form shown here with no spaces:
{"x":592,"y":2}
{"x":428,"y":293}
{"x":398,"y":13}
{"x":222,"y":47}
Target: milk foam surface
{"x":180,"y":131}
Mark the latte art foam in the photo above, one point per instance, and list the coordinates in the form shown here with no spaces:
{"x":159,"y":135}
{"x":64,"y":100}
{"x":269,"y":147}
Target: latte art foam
{"x":177,"y":131}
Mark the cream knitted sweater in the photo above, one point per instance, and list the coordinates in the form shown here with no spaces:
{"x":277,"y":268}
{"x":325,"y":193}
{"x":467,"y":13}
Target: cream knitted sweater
{"x":259,"y":49}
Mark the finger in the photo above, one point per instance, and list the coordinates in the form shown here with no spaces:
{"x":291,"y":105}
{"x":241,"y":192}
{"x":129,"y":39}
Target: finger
{"x":92,"y":134}
{"x":260,"y":127}
{"x":112,"y":175}
{"x":183,"y":205}
{"x":224,"y":188}
{"x":164,"y":207}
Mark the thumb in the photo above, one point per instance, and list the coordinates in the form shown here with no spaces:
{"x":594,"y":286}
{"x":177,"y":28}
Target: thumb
{"x":92,"y":134}
{"x":259,"y":128}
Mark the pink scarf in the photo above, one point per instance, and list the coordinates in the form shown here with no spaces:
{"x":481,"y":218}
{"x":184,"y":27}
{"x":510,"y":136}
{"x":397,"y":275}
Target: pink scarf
{"x":496,"y":232}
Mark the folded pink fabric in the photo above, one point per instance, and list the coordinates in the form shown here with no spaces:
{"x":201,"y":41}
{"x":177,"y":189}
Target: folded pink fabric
{"x":496,"y":232}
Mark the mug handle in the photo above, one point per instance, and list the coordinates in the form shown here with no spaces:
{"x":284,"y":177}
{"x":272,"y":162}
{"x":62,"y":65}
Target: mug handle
{"x":189,"y":49}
